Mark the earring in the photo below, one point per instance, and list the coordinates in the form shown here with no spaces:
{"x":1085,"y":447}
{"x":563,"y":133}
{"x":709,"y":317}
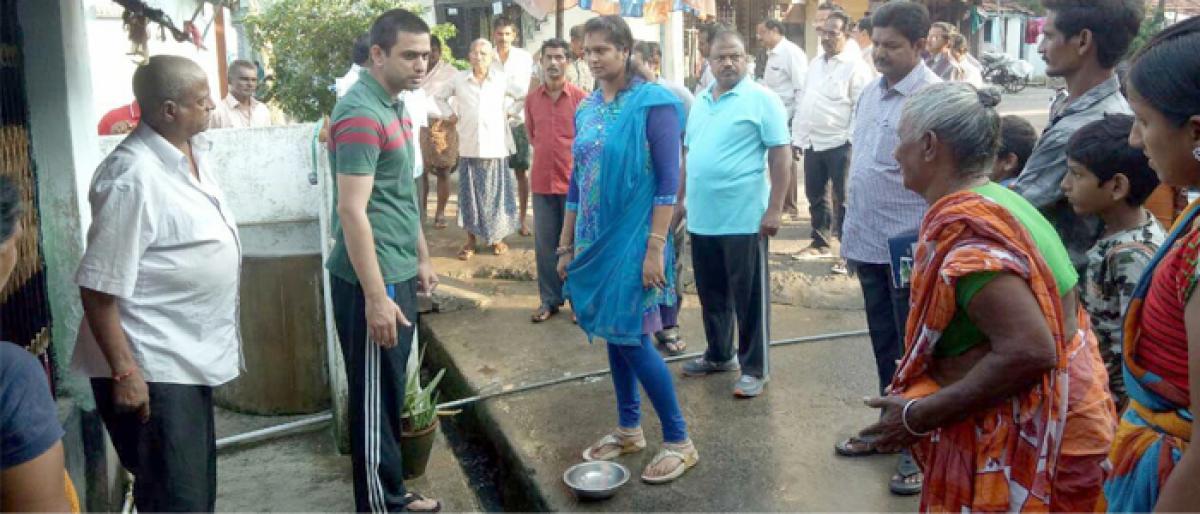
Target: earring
{"x":1196,"y":153}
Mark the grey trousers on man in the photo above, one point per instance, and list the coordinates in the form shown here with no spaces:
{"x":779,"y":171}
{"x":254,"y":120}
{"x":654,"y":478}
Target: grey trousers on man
{"x":548,"y":212}
{"x":173,"y":456}
{"x":791,"y":200}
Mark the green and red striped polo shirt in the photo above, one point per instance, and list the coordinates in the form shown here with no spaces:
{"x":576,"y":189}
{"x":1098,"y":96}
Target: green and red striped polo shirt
{"x":371,"y":134}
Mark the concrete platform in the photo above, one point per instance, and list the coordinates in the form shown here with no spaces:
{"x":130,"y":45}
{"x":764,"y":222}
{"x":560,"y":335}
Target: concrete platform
{"x":769,"y":454}
{"x":305,"y":473}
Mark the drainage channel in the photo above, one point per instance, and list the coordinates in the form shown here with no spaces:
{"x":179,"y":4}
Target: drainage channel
{"x":487,"y":459}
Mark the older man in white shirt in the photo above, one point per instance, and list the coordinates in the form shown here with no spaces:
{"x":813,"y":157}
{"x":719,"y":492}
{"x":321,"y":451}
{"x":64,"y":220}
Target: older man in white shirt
{"x":784,"y":74}
{"x":821,"y":130}
{"x":159,"y":284}
{"x":487,"y":200}
{"x":239,"y":109}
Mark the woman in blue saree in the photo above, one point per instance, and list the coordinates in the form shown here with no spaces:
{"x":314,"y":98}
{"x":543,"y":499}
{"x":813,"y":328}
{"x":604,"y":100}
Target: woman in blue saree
{"x":614,"y":252}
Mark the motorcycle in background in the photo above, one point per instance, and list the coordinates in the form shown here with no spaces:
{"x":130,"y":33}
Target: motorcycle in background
{"x":1006,"y":71}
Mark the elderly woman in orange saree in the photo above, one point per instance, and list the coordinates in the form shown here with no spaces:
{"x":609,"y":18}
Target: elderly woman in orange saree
{"x":1001,"y":394}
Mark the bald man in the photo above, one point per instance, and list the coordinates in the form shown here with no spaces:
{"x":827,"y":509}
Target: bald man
{"x":159,"y":284}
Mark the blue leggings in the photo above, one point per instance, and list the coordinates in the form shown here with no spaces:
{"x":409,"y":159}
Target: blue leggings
{"x":633,"y":364}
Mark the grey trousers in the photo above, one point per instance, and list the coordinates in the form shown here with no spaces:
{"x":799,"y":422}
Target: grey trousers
{"x":548,"y":212}
{"x":174,"y":455}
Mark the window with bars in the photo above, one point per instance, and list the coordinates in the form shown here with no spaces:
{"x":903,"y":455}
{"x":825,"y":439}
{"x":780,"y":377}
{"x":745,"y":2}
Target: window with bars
{"x":24,"y":306}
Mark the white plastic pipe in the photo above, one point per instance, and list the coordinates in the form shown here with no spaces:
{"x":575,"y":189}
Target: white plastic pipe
{"x":266,"y":433}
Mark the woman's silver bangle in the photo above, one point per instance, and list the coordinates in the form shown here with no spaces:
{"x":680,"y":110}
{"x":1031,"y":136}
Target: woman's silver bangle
{"x":904,"y":420}
{"x":564,"y":250}
{"x":659,"y":237}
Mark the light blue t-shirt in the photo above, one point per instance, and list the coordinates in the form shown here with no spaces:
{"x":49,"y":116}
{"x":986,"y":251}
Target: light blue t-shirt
{"x":727,"y":142}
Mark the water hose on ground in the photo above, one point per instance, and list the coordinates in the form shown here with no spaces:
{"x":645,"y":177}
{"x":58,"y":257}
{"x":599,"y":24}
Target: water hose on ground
{"x":319,"y":420}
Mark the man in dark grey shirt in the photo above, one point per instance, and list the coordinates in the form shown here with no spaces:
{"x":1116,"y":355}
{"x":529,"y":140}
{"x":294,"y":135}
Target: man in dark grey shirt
{"x":1083,"y":42}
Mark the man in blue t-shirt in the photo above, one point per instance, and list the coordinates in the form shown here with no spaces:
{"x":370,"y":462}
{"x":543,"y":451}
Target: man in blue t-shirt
{"x":736,"y":127}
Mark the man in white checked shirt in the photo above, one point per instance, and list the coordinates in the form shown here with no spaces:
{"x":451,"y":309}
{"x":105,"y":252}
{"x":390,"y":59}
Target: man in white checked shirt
{"x":879,"y":208}
{"x":787,"y":65}
{"x":821,"y":130}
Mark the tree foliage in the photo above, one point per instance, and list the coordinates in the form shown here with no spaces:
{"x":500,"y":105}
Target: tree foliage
{"x":307,"y":45}
{"x":1151,"y":26}
{"x":1034,"y":6}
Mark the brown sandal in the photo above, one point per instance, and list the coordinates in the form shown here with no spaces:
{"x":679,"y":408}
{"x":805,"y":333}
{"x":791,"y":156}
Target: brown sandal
{"x":466,"y":253}
{"x":499,"y":249}
{"x":439,"y":223}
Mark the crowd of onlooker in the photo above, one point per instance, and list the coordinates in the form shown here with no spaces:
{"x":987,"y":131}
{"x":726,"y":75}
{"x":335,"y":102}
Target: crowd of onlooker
{"x":1032,"y":321}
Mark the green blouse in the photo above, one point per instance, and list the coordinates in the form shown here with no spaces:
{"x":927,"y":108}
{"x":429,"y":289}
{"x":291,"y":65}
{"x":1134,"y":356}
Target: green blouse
{"x":962,"y":334}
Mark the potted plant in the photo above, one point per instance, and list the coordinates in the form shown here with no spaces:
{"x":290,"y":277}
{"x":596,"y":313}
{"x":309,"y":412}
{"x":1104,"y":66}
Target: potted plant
{"x":418,"y":422}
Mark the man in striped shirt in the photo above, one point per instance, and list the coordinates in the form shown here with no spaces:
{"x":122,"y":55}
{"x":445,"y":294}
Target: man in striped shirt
{"x":380,"y":260}
{"x":878,"y":207}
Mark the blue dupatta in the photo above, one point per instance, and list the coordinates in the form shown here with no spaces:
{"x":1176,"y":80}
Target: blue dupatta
{"x":605,"y":278}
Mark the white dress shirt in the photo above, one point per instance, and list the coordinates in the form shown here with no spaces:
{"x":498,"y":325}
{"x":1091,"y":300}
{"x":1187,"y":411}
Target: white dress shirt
{"x":439,"y":77}
{"x":518,"y":68}
{"x":965,"y":71}
{"x":826,"y":111}
{"x":786,"y":67}
{"x":483,"y":131}
{"x":229,"y":113}
{"x":868,"y":55}
{"x":166,"y":246}
{"x":415,"y":104}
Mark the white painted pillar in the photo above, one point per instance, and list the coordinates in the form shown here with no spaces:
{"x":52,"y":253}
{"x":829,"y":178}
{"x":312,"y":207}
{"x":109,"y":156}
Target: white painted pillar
{"x":674,"y":64}
{"x":65,"y":154}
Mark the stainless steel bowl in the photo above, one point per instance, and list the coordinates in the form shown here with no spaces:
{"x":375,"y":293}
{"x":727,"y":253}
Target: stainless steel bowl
{"x":596,"y":480}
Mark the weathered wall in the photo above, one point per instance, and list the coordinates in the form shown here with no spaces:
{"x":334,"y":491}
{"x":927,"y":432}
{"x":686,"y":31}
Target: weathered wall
{"x":63,"y":141}
{"x":108,"y":44}
{"x":264,"y":172}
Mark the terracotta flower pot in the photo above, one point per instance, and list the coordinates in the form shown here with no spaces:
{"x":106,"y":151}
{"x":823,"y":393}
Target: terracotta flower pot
{"x":415,"y":449}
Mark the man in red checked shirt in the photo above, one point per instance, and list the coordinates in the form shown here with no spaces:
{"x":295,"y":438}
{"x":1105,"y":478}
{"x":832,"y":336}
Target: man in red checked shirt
{"x":550,"y":120}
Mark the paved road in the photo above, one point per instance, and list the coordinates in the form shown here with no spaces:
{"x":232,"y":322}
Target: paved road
{"x":1033,"y":104}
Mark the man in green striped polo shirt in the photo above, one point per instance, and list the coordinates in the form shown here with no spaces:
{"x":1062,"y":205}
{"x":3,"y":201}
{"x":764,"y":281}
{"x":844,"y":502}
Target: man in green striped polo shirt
{"x":380,"y":260}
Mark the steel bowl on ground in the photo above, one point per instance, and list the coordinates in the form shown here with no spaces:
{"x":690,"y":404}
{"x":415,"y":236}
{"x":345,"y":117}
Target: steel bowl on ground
{"x":595,"y":480}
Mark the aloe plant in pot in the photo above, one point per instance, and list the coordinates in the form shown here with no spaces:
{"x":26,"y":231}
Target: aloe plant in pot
{"x":419,"y":419}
